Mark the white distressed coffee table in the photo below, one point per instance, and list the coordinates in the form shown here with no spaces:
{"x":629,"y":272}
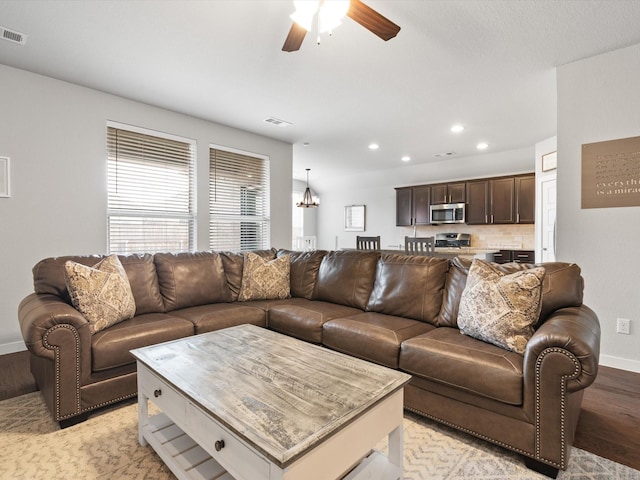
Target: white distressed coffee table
{"x":247,"y":403}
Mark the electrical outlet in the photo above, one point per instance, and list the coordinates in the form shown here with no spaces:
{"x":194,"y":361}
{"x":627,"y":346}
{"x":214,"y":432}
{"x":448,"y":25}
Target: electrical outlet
{"x":623,"y":326}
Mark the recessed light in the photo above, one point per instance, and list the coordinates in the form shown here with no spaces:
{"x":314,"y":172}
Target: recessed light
{"x":406,"y":158}
{"x":374,"y":146}
{"x":457,"y":128}
{"x":482,"y":146}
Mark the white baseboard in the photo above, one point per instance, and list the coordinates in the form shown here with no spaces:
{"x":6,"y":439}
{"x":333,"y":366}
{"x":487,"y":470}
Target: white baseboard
{"x":621,"y":363}
{"x":14,"y":347}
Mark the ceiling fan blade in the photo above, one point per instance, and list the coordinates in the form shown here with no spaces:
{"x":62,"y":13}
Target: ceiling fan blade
{"x":372,"y":20}
{"x":294,"y":39}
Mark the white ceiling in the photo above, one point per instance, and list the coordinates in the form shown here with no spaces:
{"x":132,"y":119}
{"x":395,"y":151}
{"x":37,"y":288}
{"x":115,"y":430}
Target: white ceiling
{"x":488,"y":64}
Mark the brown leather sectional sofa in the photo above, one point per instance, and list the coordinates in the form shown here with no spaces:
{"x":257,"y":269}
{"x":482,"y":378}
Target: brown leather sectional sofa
{"x":395,"y":310}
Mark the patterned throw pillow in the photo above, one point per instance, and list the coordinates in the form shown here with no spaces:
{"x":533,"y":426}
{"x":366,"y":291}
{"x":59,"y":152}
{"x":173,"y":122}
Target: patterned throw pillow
{"x":265,"y":279}
{"x":102,"y":293}
{"x":499,"y":308}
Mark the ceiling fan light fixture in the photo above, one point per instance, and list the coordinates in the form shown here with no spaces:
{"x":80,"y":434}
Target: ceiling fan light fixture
{"x":330,"y":13}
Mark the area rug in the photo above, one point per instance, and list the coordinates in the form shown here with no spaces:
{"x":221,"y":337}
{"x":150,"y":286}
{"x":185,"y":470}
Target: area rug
{"x":32,"y":446}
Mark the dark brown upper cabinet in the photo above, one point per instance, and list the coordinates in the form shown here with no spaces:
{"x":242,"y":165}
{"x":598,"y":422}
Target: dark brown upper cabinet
{"x":448,"y":193}
{"x":526,"y":199}
{"x":412,"y":205}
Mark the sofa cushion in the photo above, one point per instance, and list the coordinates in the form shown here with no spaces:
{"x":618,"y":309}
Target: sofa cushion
{"x":206,"y":318}
{"x":110,"y":347}
{"x":233,"y":264}
{"x":101,"y":293}
{"x":264,"y":279}
{"x":562,"y":287}
{"x":372,"y":336}
{"x":500,"y":308}
{"x":304,"y":319}
{"x":459,"y":361}
{"x":144,"y":282}
{"x":190,"y":279}
{"x":304,"y":271}
{"x":346,"y":278}
{"x":409,"y":286}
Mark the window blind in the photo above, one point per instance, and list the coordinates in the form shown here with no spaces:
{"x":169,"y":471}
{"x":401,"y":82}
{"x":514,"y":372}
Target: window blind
{"x":151,"y":204}
{"x":239,"y":210}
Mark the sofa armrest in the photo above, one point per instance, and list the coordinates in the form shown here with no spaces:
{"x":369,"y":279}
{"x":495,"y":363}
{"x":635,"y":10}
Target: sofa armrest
{"x":40,"y":314}
{"x":573,"y":332}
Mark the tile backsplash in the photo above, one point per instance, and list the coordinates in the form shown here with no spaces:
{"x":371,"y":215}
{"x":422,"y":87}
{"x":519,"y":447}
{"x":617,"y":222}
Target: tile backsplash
{"x":503,"y":237}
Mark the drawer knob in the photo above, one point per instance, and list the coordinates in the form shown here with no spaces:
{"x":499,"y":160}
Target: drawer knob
{"x":157,"y":393}
{"x":219,"y":445}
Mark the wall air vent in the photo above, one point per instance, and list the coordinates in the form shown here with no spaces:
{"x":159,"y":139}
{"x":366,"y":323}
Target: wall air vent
{"x":12,"y":36}
{"x":277,"y":122}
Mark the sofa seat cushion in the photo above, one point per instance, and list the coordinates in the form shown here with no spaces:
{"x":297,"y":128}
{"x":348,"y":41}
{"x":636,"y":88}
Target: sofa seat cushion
{"x":110,"y":347}
{"x":304,"y":319}
{"x":206,"y":318}
{"x":446,"y":356}
{"x":372,"y":336}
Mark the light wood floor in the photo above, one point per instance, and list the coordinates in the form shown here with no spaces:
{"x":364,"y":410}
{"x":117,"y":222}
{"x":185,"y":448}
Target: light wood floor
{"x":609,"y":424}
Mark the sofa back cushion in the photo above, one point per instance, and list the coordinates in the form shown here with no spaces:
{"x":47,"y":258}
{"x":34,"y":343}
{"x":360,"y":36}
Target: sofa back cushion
{"x":562,"y":287}
{"x":233,"y":264}
{"x":304,"y":271}
{"x":48,"y":278}
{"x":190,"y":279}
{"x":409,"y":286}
{"x":346,"y":277}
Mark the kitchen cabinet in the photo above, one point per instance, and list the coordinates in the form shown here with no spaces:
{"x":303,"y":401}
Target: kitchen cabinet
{"x":412,"y":205}
{"x":490,"y":201}
{"x":501,"y":200}
{"x":448,"y":193}
{"x":525,"y":199}
{"x":518,"y":256}
{"x":477,"y":202}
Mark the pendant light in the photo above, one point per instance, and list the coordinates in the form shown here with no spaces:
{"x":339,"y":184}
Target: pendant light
{"x":307,"y":199}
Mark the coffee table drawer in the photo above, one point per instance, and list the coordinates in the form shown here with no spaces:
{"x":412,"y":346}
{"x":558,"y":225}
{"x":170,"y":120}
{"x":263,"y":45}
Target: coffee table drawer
{"x":234,"y":456}
{"x":164,"y":396}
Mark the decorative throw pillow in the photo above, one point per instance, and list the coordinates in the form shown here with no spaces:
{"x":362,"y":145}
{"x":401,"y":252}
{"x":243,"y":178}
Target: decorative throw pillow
{"x":102,"y":293}
{"x":499,"y":308}
{"x":265,"y":279}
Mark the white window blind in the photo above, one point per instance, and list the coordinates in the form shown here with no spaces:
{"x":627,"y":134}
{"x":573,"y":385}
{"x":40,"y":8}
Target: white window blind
{"x":239,"y":210}
{"x":150,"y":193}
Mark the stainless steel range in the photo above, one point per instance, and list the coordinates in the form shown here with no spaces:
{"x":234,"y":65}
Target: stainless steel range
{"x":453,"y":240}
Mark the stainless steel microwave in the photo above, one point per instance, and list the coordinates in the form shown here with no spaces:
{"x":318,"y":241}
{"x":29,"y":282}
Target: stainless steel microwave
{"x":447,"y":213}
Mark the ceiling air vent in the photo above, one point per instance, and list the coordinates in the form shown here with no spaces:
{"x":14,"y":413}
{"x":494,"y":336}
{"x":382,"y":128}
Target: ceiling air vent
{"x":12,"y":36}
{"x":277,"y":122}
{"x":445,"y":154}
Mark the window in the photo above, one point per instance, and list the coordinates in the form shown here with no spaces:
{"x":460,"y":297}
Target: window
{"x":239,"y":212}
{"x":151,"y":206}
{"x":297,"y":229}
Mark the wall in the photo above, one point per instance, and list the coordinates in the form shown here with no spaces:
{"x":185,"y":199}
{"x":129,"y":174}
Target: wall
{"x":376,"y":191}
{"x":598,"y":100}
{"x":55,"y":134}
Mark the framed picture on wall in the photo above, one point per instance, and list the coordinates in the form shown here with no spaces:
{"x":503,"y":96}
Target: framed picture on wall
{"x":549,"y":161}
{"x":354,"y":218}
{"x":4,"y":177}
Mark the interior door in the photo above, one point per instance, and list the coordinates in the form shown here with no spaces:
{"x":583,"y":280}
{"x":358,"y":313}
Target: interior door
{"x":548,"y":220}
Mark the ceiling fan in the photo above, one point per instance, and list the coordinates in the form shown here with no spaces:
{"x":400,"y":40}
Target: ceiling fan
{"x":329,"y":13}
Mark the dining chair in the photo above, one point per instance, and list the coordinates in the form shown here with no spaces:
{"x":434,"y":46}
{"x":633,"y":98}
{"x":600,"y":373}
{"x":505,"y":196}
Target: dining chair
{"x":419,"y":245}
{"x":367,"y":243}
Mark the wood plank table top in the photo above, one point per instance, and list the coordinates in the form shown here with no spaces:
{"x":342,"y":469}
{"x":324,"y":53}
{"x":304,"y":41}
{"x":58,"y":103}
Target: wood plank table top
{"x":281,"y":395}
